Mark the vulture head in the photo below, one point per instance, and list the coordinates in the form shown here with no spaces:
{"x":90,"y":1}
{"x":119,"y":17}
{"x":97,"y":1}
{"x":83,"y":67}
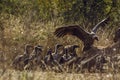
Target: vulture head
{"x":94,"y":36}
{"x":117,"y":35}
{"x":28,"y":49}
{"x":58,"y":46}
{"x":39,"y":46}
{"x":49,"y":51}
{"x":87,"y":38}
{"x":71,"y":48}
{"x":75,"y":46}
{"x":37,"y":50}
{"x":28,"y":46}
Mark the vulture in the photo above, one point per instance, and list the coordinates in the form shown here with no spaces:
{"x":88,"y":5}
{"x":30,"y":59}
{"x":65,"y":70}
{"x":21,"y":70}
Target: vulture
{"x":76,"y":30}
{"x":71,"y":49}
{"x":36,"y":53}
{"x":35,"y":58}
{"x":48,"y":58}
{"x":69,"y":53}
{"x":19,"y":60}
{"x":56,"y":54}
{"x":50,"y":61}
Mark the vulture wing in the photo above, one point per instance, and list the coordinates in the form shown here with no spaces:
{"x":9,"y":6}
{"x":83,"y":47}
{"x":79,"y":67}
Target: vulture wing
{"x":101,"y":23}
{"x":74,"y":30}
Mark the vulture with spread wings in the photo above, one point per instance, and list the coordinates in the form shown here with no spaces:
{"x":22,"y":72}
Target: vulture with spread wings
{"x":75,"y":30}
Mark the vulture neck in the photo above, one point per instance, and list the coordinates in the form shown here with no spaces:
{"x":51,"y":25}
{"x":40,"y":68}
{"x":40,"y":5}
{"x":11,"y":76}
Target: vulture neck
{"x":51,"y":57}
{"x":66,"y":53}
{"x":36,"y":53}
{"x":26,"y":51}
{"x":74,"y":53}
{"x":56,"y":49}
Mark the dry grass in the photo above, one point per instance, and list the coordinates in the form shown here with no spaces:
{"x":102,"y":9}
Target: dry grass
{"x":39,"y":75}
{"x":20,"y":31}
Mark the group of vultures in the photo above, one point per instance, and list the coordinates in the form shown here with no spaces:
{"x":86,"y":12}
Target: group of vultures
{"x":65,"y":58}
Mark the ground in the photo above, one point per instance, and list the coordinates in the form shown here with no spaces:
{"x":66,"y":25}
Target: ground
{"x":39,"y":75}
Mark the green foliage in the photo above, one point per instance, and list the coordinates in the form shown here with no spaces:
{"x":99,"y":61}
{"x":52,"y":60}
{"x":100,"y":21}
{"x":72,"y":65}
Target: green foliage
{"x":72,"y":10}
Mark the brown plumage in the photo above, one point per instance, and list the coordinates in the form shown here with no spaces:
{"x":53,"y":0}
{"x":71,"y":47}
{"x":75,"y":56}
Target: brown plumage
{"x":34,"y":59}
{"x":75,"y":30}
{"x":19,"y":61}
{"x":50,"y":60}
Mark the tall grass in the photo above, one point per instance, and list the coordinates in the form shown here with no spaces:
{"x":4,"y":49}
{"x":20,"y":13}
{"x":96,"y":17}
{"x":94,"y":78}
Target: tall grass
{"x":22,"y":30}
{"x":19,"y":31}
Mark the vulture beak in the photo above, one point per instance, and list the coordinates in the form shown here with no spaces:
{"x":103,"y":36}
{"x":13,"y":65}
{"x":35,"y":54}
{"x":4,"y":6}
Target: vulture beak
{"x":95,"y":37}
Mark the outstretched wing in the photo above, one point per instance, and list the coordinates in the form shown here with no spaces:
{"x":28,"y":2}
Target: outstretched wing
{"x":74,"y":30}
{"x":101,"y":23}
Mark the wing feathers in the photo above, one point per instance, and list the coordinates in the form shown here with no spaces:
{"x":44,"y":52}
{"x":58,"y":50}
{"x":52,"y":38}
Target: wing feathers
{"x":60,"y":32}
{"x":101,"y":23}
{"x":74,"y":30}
